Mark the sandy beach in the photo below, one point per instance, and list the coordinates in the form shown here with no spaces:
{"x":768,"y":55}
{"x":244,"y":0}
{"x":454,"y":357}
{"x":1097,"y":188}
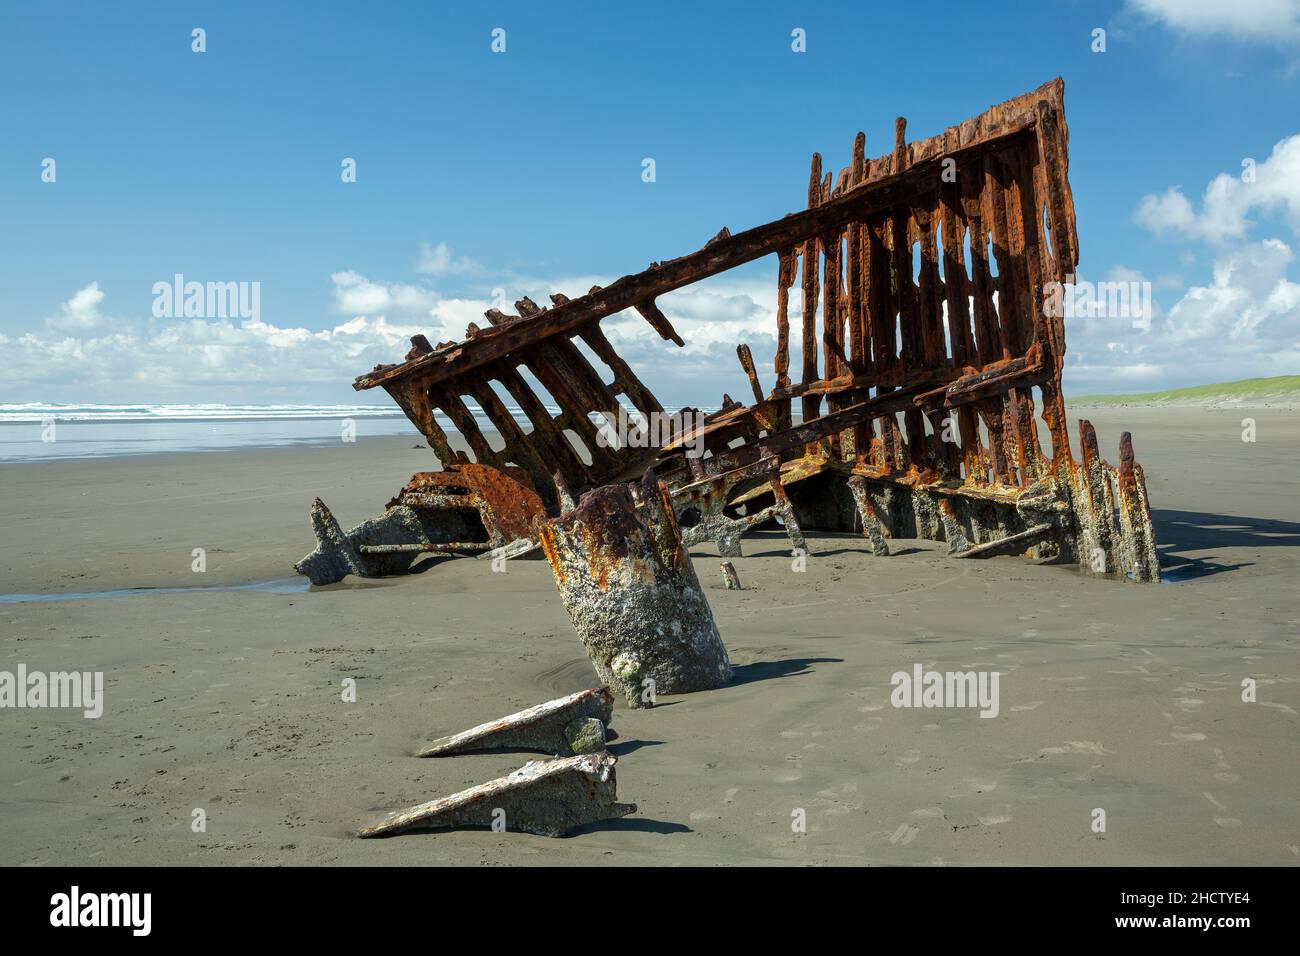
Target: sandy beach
{"x":1114,"y":696}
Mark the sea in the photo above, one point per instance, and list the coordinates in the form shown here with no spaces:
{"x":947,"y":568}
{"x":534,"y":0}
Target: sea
{"x":35,"y":432}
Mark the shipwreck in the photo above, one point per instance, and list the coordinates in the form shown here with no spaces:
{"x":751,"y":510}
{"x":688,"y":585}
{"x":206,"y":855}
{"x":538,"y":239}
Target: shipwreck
{"x":930,"y":382}
{"x":929,"y":346}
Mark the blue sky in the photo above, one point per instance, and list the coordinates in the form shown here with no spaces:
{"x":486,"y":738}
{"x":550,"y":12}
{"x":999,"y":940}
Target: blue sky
{"x":522,"y":171}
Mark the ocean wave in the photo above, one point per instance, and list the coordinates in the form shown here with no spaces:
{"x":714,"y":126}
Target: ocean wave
{"x":28,"y":412}
{"x":39,"y":412}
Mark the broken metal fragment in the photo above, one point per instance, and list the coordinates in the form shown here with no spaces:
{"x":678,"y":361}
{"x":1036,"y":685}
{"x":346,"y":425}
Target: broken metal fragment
{"x":503,"y":501}
{"x":632,"y":594}
{"x":706,"y":508}
{"x":1012,"y":544}
{"x":470,"y":508}
{"x":337,"y":554}
{"x":515,"y":549}
{"x":543,"y":727}
{"x":546,"y":797}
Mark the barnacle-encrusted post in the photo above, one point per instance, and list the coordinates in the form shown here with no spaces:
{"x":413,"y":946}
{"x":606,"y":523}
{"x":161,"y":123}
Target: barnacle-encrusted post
{"x":632,"y":594}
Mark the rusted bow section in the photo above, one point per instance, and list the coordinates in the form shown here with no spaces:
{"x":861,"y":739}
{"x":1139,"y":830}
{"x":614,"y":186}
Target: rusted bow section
{"x":927,"y":349}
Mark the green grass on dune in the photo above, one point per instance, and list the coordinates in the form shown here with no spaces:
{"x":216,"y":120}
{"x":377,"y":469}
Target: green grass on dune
{"x":1278,"y":386}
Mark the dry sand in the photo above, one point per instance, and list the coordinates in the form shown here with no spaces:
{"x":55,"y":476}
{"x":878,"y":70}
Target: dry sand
{"x":1113,"y":696}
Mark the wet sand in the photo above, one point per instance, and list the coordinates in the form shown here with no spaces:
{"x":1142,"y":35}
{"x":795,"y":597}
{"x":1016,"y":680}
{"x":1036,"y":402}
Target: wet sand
{"x":1114,"y":696}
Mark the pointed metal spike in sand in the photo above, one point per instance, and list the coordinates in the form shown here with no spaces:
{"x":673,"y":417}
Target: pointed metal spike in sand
{"x":730,"y":577}
{"x":546,"y":797}
{"x":871,"y":526}
{"x":386,"y":544}
{"x":335,"y":557}
{"x":542,"y":727}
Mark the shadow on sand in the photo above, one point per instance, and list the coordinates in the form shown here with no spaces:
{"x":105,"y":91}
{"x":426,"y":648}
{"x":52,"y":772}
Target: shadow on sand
{"x":769,"y":670}
{"x":1180,"y":532}
{"x":633,"y":824}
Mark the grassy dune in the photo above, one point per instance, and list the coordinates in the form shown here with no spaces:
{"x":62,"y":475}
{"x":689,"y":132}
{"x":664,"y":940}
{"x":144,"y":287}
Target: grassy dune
{"x":1277,"y":390}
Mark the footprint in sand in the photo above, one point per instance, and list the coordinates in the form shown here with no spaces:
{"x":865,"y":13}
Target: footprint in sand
{"x":698,"y":816}
{"x":1137,"y":669}
{"x":909,"y":758}
{"x":1090,"y":747}
{"x":1228,"y":823}
{"x":904,"y":835}
{"x":1225,"y":774}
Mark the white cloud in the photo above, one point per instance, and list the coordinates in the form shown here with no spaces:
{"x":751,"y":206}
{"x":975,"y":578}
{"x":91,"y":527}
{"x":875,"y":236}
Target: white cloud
{"x":1250,"y":309}
{"x":1266,"y":20}
{"x":201,"y":360}
{"x":80,"y":314}
{"x":1243,"y":322}
{"x":80,"y":356}
{"x":1169,"y":213}
{"x":355,"y":294}
{"x":712,"y":317}
{"x":1229,"y":200}
{"x":439,"y":261}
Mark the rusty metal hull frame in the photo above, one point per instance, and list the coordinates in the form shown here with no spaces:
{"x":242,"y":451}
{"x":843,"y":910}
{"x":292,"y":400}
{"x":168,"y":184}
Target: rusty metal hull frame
{"x":928,"y":347}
